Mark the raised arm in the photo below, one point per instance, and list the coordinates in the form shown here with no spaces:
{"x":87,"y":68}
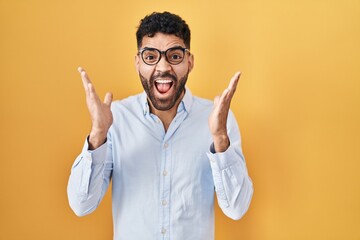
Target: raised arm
{"x":100,"y":113}
{"x":218,"y":117}
{"x":92,"y":169}
{"x":233,"y":186}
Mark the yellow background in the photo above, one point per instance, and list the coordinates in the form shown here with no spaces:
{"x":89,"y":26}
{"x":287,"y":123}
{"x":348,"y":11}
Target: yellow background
{"x":297,"y":105}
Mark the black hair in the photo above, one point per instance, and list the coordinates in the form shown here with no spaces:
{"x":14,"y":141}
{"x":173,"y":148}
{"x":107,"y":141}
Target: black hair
{"x":167,"y":23}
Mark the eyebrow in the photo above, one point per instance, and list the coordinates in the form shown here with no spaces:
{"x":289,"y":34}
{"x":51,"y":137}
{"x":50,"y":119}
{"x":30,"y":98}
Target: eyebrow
{"x":176,"y":46}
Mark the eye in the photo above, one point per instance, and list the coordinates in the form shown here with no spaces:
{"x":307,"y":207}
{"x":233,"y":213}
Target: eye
{"x":150,"y":56}
{"x":176,"y":56}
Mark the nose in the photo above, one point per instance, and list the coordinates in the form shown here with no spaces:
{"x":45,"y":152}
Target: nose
{"x":163,"y":65}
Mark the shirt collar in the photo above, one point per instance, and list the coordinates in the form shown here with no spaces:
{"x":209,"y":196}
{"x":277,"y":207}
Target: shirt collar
{"x":185,"y":103}
{"x":187,"y":100}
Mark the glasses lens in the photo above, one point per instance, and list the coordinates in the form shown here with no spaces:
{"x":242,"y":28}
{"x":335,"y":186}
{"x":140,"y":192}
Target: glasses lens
{"x":175,"y":56}
{"x":150,"y":56}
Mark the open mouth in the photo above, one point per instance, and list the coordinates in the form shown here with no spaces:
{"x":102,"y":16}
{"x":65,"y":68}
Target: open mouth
{"x":163,"y":85}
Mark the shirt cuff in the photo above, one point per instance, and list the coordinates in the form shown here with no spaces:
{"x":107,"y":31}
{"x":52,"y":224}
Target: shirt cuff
{"x":223,"y":160}
{"x":97,"y":155}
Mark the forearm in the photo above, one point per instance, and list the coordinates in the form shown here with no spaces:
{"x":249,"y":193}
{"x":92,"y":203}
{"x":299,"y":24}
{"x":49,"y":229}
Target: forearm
{"x":97,"y":137}
{"x":221,"y":143}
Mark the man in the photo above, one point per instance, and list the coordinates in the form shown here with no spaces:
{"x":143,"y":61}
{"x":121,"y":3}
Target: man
{"x":165,"y":150}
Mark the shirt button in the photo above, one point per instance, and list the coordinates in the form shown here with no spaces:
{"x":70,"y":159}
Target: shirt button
{"x":166,"y":145}
{"x":165,"y":173}
{"x":163,"y":230}
{"x":164,"y":202}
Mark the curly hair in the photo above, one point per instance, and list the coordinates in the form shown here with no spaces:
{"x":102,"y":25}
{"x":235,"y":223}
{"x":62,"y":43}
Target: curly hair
{"x":167,"y":23}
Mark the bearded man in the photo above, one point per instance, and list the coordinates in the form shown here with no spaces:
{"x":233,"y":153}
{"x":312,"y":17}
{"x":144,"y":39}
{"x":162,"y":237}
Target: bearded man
{"x":165,"y":150}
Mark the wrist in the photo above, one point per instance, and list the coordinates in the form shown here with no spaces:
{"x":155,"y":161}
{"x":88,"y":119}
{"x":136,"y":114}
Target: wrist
{"x":96,"y":139}
{"x":221,"y":143}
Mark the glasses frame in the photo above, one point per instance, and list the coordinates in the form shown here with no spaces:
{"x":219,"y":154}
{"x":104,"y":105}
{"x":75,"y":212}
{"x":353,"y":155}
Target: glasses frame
{"x":141,"y":51}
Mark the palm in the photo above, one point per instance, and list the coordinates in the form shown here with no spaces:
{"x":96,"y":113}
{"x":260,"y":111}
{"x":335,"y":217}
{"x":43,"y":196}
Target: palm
{"x":100,"y":112}
{"x":218,"y":117}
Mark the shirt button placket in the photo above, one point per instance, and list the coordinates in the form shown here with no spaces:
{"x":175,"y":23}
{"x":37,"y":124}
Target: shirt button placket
{"x":166,"y":192}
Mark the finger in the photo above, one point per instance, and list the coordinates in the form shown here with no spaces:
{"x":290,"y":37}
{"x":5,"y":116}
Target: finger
{"x":92,"y":92}
{"x":216,"y":100}
{"x":232,"y":87}
{"x":233,"y":82}
{"x":80,"y":69}
{"x":108,"y":99}
{"x":223,"y":98}
{"x":85,"y":79}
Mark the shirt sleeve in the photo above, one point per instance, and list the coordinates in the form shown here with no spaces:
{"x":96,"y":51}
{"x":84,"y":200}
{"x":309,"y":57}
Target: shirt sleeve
{"x":233,"y":186}
{"x":89,"y":179}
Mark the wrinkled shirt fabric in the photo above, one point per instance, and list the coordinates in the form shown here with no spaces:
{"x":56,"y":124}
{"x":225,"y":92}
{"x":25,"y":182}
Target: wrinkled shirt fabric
{"x":163,"y":182}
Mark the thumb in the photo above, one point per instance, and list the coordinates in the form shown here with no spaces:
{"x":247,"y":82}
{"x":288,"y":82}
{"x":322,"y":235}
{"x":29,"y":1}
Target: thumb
{"x":108,"y":99}
{"x":216,"y":100}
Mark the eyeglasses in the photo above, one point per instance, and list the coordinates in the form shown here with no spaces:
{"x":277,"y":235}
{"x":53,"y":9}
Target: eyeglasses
{"x":152,"y":56}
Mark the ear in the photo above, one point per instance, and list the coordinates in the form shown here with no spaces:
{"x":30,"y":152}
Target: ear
{"x":137,"y":63}
{"x":191,"y":62}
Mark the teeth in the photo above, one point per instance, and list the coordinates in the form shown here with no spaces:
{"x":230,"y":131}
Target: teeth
{"x":163,"y":81}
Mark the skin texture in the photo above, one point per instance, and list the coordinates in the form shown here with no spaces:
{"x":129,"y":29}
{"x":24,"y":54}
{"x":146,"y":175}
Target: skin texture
{"x":164,"y":105}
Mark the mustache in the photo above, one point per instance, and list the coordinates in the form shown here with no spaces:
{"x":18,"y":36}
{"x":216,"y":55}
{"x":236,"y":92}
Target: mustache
{"x":163,"y":75}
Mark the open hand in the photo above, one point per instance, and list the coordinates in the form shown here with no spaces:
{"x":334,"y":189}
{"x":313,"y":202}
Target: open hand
{"x":218,"y":117}
{"x":100,"y":113}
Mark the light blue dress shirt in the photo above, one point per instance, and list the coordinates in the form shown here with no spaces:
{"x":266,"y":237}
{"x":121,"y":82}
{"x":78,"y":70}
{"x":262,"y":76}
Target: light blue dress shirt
{"x":162,"y":182}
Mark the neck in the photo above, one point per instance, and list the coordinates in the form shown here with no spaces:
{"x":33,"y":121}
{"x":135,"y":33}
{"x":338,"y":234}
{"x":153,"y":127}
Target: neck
{"x":167,"y":116}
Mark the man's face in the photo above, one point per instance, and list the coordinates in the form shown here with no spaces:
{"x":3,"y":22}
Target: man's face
{"x":164,"y":83}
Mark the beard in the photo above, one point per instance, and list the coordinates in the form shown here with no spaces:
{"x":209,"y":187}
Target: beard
{"x":163,"y":104}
